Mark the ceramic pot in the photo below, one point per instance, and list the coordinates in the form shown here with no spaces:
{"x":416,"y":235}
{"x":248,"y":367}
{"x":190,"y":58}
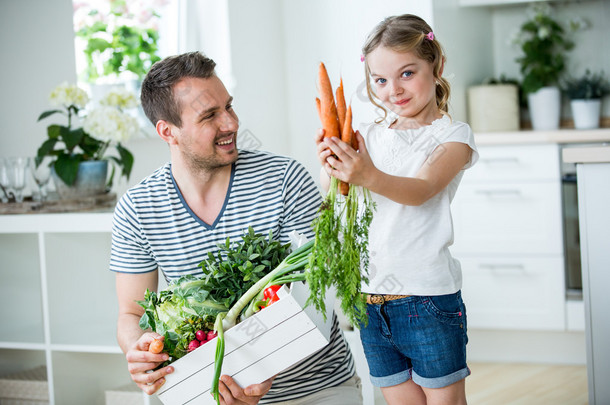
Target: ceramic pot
{"x":545,"y":108}
{"x":90,"y":181}
{"x":586,"y":113}
{"x":493,"y":107}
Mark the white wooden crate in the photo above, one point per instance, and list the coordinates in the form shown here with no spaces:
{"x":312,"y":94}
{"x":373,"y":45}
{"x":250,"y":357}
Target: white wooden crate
{"x":256,"y":349}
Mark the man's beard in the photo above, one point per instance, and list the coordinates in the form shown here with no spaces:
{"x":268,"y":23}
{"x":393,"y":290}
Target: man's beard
{"x":207,"y":164}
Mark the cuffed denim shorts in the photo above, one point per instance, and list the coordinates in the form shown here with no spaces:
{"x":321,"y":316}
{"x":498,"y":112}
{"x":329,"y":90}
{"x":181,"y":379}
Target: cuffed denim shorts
{"x":418,"y":337}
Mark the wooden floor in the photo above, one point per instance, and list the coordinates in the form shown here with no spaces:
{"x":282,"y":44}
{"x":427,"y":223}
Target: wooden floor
{"x":526,"y":384}
{"x":523,"y":384}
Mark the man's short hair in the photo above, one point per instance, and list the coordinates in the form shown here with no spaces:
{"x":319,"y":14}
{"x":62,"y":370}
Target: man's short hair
{"x":157,"y":95}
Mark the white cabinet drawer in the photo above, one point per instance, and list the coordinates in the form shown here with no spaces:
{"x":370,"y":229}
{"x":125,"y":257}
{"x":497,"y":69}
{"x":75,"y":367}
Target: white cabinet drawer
{"x":514,"y":293}
{"x":515,"y":163}
{"x":508,"y":218}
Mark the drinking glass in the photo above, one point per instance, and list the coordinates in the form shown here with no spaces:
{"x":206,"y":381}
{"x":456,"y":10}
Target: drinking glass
{"x":16,"y":174}
{"x":41,"y":174}
{"x":4,"y":181}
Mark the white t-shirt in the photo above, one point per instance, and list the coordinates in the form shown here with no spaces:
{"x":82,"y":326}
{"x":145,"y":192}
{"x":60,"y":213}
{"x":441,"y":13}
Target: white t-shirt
{"x":409,"y":245}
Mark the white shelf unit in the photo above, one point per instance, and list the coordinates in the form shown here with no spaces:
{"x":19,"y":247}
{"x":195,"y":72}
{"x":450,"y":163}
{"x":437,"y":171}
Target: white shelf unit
{"x":58,"y":305}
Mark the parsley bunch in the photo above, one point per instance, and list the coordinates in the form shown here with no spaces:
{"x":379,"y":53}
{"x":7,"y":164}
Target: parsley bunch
{"x":237,"y":266}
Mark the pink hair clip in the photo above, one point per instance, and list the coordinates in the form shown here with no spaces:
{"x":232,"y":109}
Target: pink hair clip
{"x":361,"y":58}
{"x":430,"y":36}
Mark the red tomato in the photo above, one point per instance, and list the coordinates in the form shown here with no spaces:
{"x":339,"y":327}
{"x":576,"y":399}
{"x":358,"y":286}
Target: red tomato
{"x":271,"y":291}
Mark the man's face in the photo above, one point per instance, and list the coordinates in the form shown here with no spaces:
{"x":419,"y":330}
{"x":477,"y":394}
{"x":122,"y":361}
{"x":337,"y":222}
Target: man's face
{"x":207,"y":137}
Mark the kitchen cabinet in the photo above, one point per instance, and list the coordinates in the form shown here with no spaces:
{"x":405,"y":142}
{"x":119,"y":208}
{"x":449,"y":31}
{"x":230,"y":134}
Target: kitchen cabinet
{"x":508,"y":238}
{"x":58,"y":306}
{"x":508,"y":219}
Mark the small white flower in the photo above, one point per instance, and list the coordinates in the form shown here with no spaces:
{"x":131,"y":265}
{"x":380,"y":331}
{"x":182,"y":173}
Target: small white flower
{"x":121,"y":98}
{"x":540,"y":9}
{"x":578,"y":24}
{"x":109,"y":124}
{"x":543,"y":32}
{"x":68,"y":94}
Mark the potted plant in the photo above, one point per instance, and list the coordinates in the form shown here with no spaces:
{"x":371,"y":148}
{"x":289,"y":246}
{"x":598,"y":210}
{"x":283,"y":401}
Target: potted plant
{"x":119,"y":38}
{"x":585,"y":94}
{"x":494,"y":105}
{"x":80,"y":153}
{"x":543,"y":42}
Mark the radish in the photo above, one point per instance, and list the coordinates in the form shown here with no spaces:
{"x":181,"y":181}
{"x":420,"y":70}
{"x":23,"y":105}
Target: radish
{"x":193,"y":344}
{"x":201,"y":336}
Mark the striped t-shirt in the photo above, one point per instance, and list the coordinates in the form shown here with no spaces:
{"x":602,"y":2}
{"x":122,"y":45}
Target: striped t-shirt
{"x":153,"y":228}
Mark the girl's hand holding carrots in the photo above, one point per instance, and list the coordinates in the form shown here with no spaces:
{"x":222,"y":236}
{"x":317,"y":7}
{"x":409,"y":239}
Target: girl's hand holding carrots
{"x":347,"y":164}
{"x":322,"y":148}
{"x":336,"y":118}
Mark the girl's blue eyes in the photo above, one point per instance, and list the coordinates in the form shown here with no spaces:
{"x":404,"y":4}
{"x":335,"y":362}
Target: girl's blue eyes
{"x":405,"y":74}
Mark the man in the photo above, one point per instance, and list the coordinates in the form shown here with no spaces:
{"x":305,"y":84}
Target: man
{"x":208,"y":192}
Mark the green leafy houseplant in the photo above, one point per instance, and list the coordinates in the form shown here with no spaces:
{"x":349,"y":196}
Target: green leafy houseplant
{"x":119,"y":36}
{"x":104,"y":126}
{"x":586,"y":87}
{"x":543,"y":42}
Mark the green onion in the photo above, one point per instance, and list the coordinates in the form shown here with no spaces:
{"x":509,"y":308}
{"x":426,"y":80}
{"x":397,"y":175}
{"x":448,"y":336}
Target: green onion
{"x":294,"y":262}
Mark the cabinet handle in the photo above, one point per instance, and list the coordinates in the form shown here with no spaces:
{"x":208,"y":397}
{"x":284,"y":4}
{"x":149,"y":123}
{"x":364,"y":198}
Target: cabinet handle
{"x":508,"y":268}
{"x":495,"y":193}
{"x":500,"y":160}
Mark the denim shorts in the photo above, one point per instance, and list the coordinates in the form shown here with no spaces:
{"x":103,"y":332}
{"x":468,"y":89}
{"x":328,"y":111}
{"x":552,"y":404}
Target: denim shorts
{"x":418,"y":337}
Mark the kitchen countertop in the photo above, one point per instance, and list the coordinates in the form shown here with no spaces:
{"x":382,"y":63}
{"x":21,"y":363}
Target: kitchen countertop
{"x":562,"y":136}
{"x":587,"y":154}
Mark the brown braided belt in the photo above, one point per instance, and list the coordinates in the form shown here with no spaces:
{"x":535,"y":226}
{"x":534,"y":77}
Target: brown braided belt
{"x":380,"y":299}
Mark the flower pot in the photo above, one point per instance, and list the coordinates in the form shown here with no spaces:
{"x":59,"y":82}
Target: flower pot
{"x":545,"y":108}
{"x":493,"y":107}
{"x":586,"y":113}
{"x":90,"y":181}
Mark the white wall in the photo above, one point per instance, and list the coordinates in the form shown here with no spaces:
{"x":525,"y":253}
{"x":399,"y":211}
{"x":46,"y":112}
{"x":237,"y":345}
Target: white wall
{"x":37,"y":49}
{"x":465,"y":36}
{"x":257,"y":53}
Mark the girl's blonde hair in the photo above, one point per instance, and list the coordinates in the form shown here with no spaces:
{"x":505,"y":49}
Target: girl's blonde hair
{"x":408,"y":33}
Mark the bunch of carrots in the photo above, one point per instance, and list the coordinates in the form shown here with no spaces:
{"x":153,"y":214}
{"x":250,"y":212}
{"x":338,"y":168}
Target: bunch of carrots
{"x":336,"y":118}
{"x":339,"y":257}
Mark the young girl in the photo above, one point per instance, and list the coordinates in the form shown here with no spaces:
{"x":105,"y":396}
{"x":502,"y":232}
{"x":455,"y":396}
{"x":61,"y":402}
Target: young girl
{"x":412,"y":162}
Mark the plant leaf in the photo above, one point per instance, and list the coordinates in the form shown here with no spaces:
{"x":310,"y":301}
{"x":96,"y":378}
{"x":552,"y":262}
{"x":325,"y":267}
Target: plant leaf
{"x":126,"y":160}
{"x":72,"y":138}
{"x":45,"y":149}
{"x":54,"y":131}
{"x":48,"y":113}
{"x":66,"y":167}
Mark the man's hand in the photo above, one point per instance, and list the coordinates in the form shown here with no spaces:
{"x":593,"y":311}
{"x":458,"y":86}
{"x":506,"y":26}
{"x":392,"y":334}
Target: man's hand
{"x":232,"y":394}
{"x":141,"y":362}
